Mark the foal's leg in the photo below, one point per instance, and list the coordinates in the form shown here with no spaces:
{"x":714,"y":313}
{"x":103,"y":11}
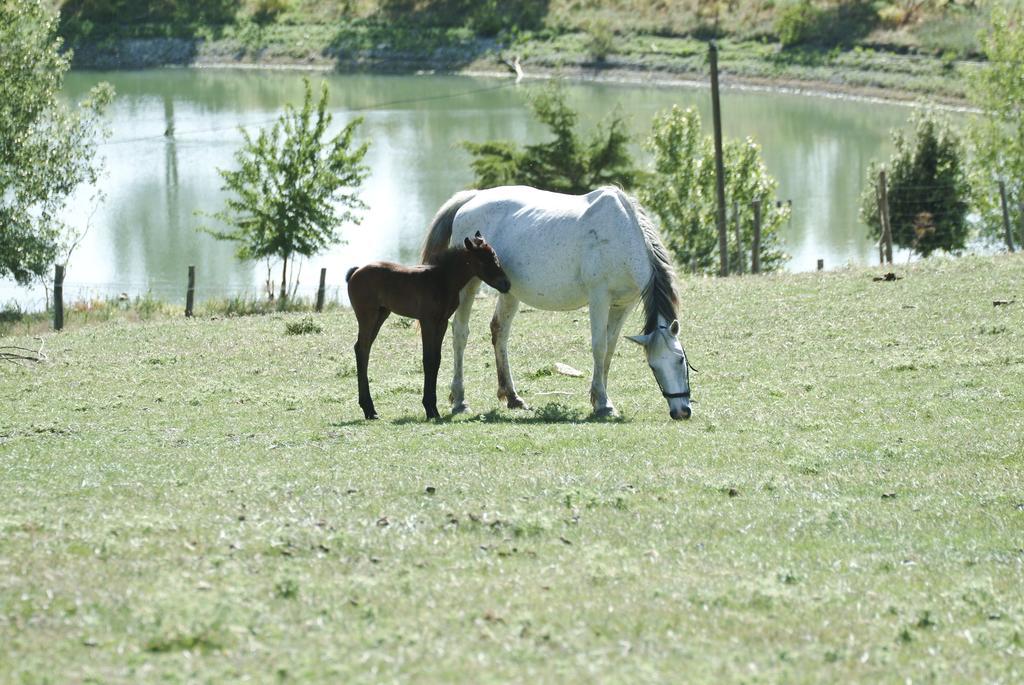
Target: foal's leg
{"x":599,"y":324}
{"x":501,"y":326}
{"x":369,"y":327}
{"x":432,"y":333}
{"x":460,"y":333}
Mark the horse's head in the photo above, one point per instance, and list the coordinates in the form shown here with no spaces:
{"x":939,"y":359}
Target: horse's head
{"x":485,"y":263}
{"x":667,"y":360}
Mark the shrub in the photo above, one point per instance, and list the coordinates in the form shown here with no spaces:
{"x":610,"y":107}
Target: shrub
{"x":927,"y":189}
{"x":600,"y":40}
{"x":569,"y":163}
{"x":997,"y":135}
{"x":681,"y":192}
{"x":839,"y":23}
{"x":265,"y":12}
{"x":486,"y":17}
{"x":303,"y":326}
{"x":797,"y":23}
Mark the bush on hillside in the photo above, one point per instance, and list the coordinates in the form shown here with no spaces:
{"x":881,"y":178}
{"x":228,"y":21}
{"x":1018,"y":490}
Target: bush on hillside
{"x":265,"y":12}
{"x":813,"y":22}
{"x":485,"y":17}
{"x":797,"y":23}
{"x":78,"y":17}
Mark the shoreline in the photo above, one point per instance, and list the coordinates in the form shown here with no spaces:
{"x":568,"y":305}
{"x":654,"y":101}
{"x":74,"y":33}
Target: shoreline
{"x":491,"y":60}
{"x":814,"y":89}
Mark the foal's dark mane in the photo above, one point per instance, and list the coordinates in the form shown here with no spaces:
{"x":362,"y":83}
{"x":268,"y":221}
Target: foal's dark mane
{"x":659,"y":295}
{"x":447,"y":258}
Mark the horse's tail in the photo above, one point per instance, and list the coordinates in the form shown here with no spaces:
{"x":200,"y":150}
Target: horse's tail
{"x":348,"y":274}
{"x":660,"y":295}
{"x":440,"y":232}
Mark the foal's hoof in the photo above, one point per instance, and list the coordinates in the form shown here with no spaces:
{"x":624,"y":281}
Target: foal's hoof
{"x":371,"y":416}
{"x":606,"y":413}
{"x":460,"y":408}
{"x":517,"y":403}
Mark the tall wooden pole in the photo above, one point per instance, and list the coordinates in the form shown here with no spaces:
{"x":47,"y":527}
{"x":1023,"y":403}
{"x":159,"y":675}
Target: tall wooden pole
{"x":190,"y":292}
{"x":1020,"y":216}
{"x":322,"y":290}
{"x":58,"y":297}
{"x":883,"y":210}
{"x":716,"y":111}
{"x":755,"y":250}
{"x":1006,"y":216}
{"x":740,"y":261}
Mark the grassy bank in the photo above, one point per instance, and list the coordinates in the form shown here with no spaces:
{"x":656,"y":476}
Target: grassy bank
{"x":934,"y":54}
{"x":200,"y":501}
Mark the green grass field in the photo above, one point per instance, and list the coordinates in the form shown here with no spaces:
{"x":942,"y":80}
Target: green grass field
{"x":200,"y":501}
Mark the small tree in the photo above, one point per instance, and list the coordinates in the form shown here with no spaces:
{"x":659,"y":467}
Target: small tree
{"x":681,"y":191}
{"x":927,"y":189}
{"x":997,"y":137}
{"x":47,"y":150}
{"x":569,"y":163}
{"x":291,"y":191}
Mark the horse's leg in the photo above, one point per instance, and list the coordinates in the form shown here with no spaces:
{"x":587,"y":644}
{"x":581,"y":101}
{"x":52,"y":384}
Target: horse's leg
{"x":501,"y":326}
{"x":460,"y":333}
{"x":599,"y":323}
{"x":432,"y":333}
{"x":616,"y":320}
{"x":369,"y":326}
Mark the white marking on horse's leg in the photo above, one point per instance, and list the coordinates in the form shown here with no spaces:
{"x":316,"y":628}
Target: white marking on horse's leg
{"x":616,"y":320}
{"x":501,"y":326}
{"x":460,"y":333}
{"x":599,"y":312}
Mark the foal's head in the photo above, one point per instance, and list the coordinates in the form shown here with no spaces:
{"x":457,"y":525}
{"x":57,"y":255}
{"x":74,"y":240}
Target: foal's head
{"x":485,"y":264}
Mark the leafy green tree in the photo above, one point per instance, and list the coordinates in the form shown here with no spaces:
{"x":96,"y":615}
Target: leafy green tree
{"x":292,"y":191}
{"x":927,"y":188}
{"x":997,"y":136}
{"x":681,"y":191}
{"x":47,"y":149}
{"x":569,"y":163}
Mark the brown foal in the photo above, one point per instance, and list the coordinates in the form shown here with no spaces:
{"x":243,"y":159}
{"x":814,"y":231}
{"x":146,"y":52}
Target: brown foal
{"x":429,"y":293}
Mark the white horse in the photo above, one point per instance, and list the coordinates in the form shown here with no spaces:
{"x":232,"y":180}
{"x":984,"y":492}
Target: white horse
{"x":561,"y":252}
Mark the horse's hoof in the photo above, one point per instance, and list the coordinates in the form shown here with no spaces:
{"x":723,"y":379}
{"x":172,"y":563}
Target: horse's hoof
{"x":606,"y":413}
{"x":372,"y":417}
{"x":517,"y":403}
{"x":460,"y":408}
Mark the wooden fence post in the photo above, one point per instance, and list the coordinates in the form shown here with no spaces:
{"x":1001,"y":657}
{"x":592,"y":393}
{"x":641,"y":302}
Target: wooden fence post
{"x":755,"y":249}
{"x":1020,"y":217}
{"x":190,"y":294}
{"x":716,"y":111}
{"x":1006,"y":216}
{"x":741,"y":263}
{"x":821,"y":265}
{"x":58,"y":297}
{"x":883,"y":210}
{"x":321,"y":291}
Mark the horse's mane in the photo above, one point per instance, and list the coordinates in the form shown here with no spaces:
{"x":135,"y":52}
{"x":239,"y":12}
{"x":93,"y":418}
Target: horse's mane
{"x":659,"y":295}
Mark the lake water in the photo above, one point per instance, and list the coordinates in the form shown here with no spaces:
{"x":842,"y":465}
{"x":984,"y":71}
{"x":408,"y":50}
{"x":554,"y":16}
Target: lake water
{"x":172,"y":129}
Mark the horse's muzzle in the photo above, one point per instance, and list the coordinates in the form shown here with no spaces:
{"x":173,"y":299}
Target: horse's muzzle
{"x":682,"y":413}
{"x":503,"y":286}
